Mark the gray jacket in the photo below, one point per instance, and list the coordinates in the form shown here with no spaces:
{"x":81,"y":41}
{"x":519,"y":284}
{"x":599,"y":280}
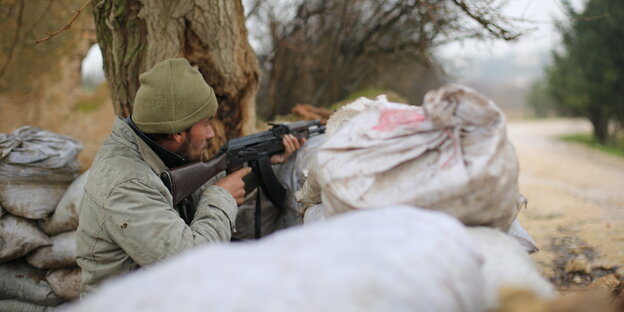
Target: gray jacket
{"x":127,"y":219}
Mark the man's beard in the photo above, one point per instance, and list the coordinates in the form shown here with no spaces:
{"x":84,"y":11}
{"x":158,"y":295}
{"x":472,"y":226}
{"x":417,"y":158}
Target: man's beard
{"x":184,"y":151}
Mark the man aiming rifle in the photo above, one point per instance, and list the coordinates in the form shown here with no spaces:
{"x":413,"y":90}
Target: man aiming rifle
{"x":254,"y":150}
{"x":127,"y":215}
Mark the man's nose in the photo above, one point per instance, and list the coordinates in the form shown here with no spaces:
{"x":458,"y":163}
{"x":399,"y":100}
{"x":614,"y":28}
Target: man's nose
{"x":209,"y":132}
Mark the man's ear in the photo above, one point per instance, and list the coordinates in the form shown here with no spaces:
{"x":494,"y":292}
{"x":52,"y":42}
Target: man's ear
{"x":178,"y":137}
{"x":173,"y":141}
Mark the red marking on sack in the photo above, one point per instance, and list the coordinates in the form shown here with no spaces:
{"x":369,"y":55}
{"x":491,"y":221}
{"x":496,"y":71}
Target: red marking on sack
{"x":392,"y":118}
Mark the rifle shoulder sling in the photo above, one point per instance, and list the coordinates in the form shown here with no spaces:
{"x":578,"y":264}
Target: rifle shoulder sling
{"x":269,"y":183}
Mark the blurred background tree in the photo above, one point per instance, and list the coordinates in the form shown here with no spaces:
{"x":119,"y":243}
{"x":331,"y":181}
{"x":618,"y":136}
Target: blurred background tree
{"x":35,"y":78}
{"x":587,"y":75}
{"x":319,"y":51}
{"x":316,"y":51}
{"x":540,"y":100}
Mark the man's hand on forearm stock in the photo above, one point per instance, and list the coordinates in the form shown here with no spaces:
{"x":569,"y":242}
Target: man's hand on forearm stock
{"x":291,"y":145}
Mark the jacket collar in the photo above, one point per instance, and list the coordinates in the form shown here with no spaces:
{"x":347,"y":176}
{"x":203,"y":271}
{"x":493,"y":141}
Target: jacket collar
{"x":170,"y":159}
{"x":132,"y":140}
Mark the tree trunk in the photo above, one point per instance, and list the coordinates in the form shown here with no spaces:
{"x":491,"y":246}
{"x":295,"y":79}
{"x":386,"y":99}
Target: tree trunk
{"x":601,"y":131}
{"x":134,"y":35}
{"x":600,"y":123}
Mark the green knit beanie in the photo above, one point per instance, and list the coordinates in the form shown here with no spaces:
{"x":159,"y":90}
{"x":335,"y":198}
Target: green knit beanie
{"x":173,"y":97}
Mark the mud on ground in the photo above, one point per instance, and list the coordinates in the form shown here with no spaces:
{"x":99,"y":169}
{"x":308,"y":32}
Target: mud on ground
{"x":576,"y":203}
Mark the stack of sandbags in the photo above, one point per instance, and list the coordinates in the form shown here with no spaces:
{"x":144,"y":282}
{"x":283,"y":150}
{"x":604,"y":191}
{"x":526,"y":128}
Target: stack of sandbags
{"x":398,"y":259}
{"x":451,"y":154}
{"x":37,"y":229}
{"x":24,"y":288}
{"x":36,"y":167}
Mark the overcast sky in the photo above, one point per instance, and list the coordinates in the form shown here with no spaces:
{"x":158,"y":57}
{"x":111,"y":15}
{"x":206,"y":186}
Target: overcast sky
{"x":526,"y":56}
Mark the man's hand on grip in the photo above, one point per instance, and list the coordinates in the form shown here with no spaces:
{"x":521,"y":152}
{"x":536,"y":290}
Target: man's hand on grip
{"x":234,"y":184}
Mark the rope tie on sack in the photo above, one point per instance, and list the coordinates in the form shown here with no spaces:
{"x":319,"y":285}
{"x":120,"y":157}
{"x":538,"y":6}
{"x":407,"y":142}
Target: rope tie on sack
{"x":455,"y":141}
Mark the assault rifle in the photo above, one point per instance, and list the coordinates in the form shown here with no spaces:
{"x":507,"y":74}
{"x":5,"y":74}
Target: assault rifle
{"x":255,"y":150}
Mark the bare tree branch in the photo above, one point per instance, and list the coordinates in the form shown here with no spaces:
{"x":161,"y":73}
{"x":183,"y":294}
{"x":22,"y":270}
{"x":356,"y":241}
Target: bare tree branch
{"x":67,"y":25}
{"x":16,"y":38}
{"x":489,"y":25}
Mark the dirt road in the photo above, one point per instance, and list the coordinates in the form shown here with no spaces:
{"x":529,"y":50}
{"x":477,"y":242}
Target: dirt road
{"x":576,"y":202}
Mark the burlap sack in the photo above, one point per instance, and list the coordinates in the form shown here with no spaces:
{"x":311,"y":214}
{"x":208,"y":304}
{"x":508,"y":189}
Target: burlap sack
{"x":506,"y":265}
{"x":21,"y":306}
{"x":61,"y":254}
{"x":31,"y":199}
{"x":65,"y":216}
{"x":36,"y":166}
{"x":18,"y":237}
{"x":452,"y":155}
{"x":65,"y":282}
{"x":19,"y":281}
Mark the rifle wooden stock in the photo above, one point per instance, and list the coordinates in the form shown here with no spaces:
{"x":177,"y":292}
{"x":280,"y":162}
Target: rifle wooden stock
{"x":183,"y":181}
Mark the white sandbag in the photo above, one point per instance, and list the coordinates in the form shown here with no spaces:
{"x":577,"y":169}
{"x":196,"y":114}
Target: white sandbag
{"x":400,"y":259}
{"x":30,"y":152}
{"x":61,"y":254}
{"x":295,"y":171}
{"x":520,"y":234}
{"x":18,"y":237}
{"x":65,"y":282}
{"x":310,"y":192}
{"x":65,"y":216}
{"x":314,"y":214}
{"x":346,"y":113}
{"x":452,"y":154}
{"x":35,"y":166}
{"x":32,"y":200}
{"x":507,"y":265}
{"x":21,"y":306}
{"x":20,"y":281}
